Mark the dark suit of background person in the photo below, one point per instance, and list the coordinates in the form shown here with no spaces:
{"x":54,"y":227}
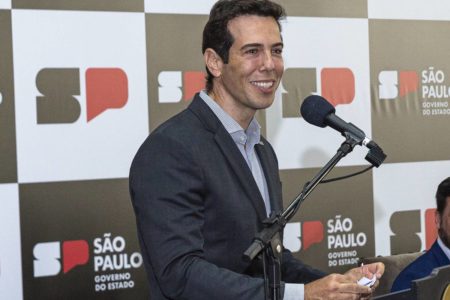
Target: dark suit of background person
{"x":439,"y":254}
{"x":198,"y":209}
{"x":421,"y":267}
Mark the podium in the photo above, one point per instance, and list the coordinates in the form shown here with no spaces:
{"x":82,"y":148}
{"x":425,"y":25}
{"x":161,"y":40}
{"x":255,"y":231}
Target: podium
{"x":436,"y":286}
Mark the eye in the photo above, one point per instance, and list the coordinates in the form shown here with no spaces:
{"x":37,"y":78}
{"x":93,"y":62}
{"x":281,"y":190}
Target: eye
{"x":277,"y":51}
{"x":252,"y":51}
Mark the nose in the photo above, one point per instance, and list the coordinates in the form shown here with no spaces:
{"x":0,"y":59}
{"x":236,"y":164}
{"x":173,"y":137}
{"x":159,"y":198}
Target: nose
{"x":267,"y":64}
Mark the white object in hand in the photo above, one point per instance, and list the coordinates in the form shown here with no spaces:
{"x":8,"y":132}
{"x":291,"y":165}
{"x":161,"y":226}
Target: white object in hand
{"x":367,"y":282}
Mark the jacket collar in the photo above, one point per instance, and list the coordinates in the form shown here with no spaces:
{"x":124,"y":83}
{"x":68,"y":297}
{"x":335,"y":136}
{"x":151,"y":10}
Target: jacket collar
{"x":234,"y":157}
{"x":439,"y":254}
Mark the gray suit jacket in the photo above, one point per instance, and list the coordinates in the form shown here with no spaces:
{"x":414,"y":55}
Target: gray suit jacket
{"x":198,"y":208}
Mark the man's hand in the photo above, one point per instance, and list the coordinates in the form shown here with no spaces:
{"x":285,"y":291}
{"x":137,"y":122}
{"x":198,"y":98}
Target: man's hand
{"x":337,"y":286}
{"x":375,"y":269}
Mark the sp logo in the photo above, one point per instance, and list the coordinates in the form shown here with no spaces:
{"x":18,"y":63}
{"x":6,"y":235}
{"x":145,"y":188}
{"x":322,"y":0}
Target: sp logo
{"x":337,"y":85}
{"x":406,"y":238}
{"x":48,"y":258}
{"x":106,"y":88}
{"x":175,"y":86}
{"x":298,"y":236}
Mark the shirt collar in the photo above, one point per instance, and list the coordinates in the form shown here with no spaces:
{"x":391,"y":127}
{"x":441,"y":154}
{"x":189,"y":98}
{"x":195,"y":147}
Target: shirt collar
{"x":444,"y":248}
{"x":251,"y":136}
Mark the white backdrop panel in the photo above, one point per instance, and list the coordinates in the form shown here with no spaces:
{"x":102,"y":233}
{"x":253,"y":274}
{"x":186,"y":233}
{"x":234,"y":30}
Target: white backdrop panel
{"x":197,"y":7}
{"x":103,"y":147}
{"x":409,"y":9}
{"x":5,"y":4}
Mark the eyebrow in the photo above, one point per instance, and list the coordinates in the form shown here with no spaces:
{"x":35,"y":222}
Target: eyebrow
{"x":260,"y":45}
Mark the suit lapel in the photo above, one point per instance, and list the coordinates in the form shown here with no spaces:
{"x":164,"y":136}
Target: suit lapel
{"x":242,"y":171}
{"x":232,"y":154}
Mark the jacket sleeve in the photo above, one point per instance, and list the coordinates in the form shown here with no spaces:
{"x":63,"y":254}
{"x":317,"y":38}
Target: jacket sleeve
{"x":167,"y":192}
{"x":294,"y":271}
{"x":402,"y":282}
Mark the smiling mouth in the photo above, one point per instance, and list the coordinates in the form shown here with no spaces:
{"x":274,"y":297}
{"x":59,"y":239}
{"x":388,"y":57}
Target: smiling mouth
{"x":263,"y":84}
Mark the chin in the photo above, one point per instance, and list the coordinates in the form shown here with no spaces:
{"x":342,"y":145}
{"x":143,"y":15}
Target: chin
{"x":265,"y":105}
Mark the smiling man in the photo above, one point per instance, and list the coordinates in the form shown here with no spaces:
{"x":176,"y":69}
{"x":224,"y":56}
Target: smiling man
{"x":204,"y":181}
{"x":247,"y":79}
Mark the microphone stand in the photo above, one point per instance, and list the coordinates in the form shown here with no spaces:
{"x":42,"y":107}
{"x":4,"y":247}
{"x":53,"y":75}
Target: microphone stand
{"x":268,"y":240}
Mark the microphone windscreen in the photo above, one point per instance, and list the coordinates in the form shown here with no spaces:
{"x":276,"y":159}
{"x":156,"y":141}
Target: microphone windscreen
{"x":315,"y":109}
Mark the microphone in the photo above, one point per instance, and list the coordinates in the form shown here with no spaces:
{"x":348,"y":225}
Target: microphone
{"x":317,"y":111}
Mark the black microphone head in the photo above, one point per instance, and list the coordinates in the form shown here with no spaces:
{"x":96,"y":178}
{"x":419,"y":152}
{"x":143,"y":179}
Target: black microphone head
{"x":315,"y":109}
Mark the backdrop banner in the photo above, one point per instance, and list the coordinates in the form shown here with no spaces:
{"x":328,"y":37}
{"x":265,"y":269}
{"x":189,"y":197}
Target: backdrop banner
{"x":83,"y":83}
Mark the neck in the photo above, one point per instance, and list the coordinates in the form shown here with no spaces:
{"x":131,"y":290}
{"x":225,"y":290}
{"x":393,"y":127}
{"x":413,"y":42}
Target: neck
{"x":242,"y":115}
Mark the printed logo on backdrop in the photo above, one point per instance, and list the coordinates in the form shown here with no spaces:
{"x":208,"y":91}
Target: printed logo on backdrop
{"x":406,"y":238}
{"x":302,"y":235}
{"x":93,"y":250}
{"x":47,"y":257}
{"x":175,"y":86}
{"x":174,"y":76}
{"x":111,"y":263}
{"x":76,"y":90}
{"x":410,"y":90}
{"x":106,"y":88}
{"x":429,"y":85}
{"x":337,"y":86}
{"x":340,"y":240}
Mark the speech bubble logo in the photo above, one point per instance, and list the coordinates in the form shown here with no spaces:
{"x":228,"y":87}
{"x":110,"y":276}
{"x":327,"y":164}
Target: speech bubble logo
{"x":106,"y":88}
{"x":312,"y":233}
{"x":338,"y":85}
{"x":76,"y":253}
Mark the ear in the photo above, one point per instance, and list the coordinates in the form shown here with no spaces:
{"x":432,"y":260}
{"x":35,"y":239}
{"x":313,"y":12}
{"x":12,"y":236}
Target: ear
{"x":213,"y":62}
{"x":437,"y":219}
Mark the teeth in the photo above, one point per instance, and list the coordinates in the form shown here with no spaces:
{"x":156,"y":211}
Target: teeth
{"x":263,"y":84}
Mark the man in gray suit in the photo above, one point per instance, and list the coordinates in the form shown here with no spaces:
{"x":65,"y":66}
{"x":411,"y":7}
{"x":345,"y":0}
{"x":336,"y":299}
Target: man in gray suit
{"x":203,"y":182}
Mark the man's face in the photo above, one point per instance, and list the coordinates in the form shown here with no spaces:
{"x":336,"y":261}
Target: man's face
{"x":443,"y":224}
{"x":250,"y":78}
